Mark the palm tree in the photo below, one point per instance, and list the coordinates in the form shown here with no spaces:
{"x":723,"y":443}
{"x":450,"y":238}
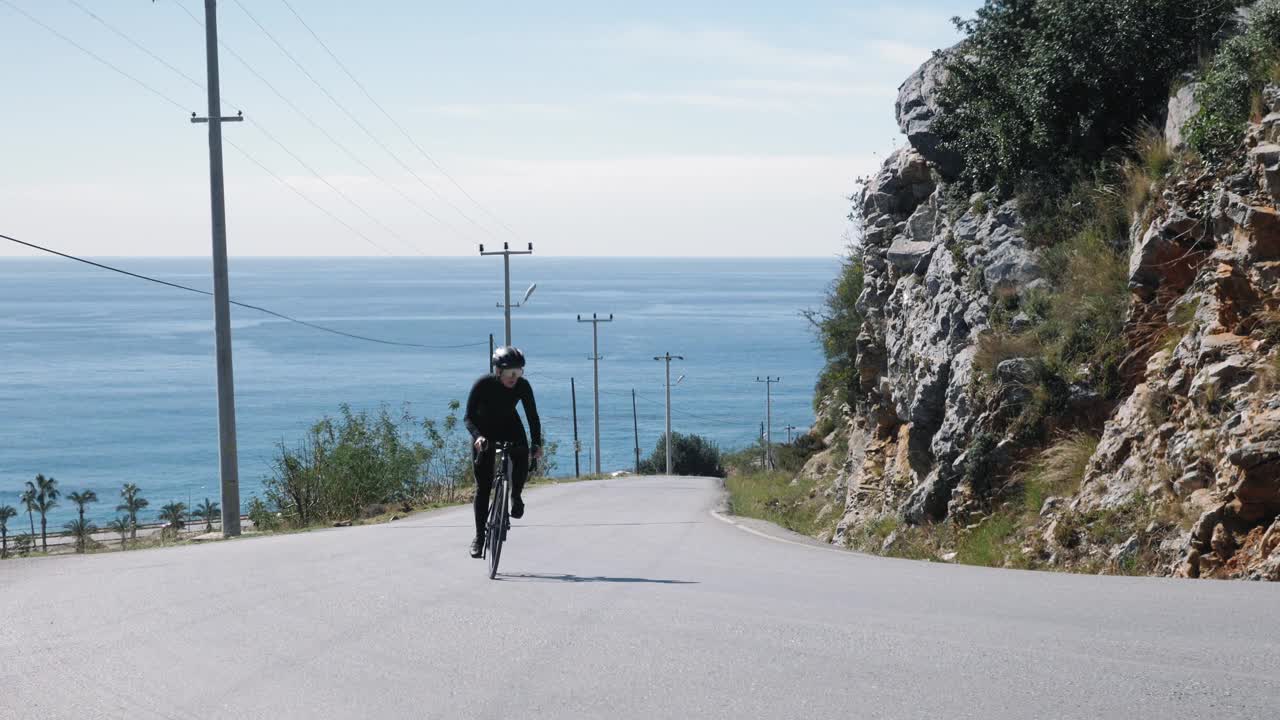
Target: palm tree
{"x":46,"y":500}
{"x":132,"y":504}
{"x":207,"y":512}
{"x":29,"y":499}
{"x":174,"y":514}
{"x":82,"y":530}
{"x":6,"y":512}
{"x":122,"y":525}
{"x":81,"y":499}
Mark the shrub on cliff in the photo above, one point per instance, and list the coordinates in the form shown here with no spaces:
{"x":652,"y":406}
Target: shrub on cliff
{"x":837,"y":325}
{"x":1231,"y":83}
{"x":1042,"y":88}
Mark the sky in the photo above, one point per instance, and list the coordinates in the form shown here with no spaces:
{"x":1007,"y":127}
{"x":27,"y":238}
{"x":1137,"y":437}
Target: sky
{"x":592,"y":128}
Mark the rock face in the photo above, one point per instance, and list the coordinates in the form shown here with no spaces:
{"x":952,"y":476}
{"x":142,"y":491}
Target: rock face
{"x":1190,"y":455}
{"x":1182,"y":107}
{"x":917,"y":109}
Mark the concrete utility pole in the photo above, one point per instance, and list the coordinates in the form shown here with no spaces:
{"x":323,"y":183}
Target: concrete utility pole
{"x":506,"y":305}
{"x":228,"y":463}
{"x":764,"y":458}
{"x":768,"y":415}
{"x":668,"y":358}
{"x":577,"y":446}
{"x":789,"y":429}
{"x":595,"y":359}
{"x":635,"y":426}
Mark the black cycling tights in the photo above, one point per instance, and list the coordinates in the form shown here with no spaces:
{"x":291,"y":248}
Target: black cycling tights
{"x":484,"y":480}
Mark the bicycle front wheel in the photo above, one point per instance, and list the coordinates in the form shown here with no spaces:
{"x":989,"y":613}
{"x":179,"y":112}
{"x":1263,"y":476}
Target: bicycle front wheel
{"x":497,"y":518}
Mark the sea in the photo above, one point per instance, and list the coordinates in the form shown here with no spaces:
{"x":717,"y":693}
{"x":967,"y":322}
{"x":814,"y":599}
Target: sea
{"x":107,"y":379}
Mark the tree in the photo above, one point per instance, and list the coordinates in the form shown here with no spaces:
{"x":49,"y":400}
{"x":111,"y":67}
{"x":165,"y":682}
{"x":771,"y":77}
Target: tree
{"x":82,"y":530}
{"x":690,"y":455}
{"x":122,"y":525}
{"x":46,"y":499}
{"x":1042,"y":88}
{"x":132,"y":504}
{"x":29,"y":500}
{"x":207,"y":512}
{"x":6,"y":512}
{"x":81,"y":499}
{"x":174,"y":515}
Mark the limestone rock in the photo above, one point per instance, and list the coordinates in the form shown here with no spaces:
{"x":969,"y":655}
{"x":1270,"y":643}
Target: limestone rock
{"x":917,"y":109}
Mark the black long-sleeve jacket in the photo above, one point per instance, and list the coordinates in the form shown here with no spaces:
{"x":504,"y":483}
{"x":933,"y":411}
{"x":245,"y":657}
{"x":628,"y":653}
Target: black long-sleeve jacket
{"x":491,"y":412}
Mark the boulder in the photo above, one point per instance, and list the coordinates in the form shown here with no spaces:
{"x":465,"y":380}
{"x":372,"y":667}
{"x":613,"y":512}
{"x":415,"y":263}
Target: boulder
{"x":1182,"y":107}
{"x":1260,"y":486}
{"x":1161,"y":258}
{"x":917,"y":110}
{"x":1011,"y":266}
{"x":904,"y":181}
{"x":910,"y":256}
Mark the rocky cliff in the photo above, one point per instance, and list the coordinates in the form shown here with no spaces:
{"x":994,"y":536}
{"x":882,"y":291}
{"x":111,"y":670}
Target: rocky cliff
{"x":1183,"y":469}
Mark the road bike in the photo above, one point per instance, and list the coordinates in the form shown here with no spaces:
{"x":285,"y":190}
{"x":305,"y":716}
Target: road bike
{"x":499,"y":521}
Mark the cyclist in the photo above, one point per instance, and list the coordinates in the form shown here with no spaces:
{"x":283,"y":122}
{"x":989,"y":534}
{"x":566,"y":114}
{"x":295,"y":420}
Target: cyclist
{"x":491,"y":417}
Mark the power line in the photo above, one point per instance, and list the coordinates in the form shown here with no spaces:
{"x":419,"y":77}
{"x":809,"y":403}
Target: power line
{"x":313,"y":124}
{"x":122,"y":35}
{"x":359,"y":124}
{"x":400,"y":127}
{"x":304,"y":196}
{"x":95,"y":56}
{"x":183,"y":108}
{"x":258,"y":308}
{"x":260,"y":127}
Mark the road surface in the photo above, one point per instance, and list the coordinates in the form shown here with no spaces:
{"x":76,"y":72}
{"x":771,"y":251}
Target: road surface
{"x":623,"y":598}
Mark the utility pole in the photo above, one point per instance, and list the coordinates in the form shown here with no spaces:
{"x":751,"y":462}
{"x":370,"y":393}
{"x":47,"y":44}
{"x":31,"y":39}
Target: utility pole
{"x":764,"y":458}
{"x":768,"y":414}
{"x":595,"y":358}
{"x":669,"y":357}
{"x":635,"y":425}
{"x":577,"y":446}
{"x":490,"y":353}
{"x":789,"y":429}
{"x":228,"y":463}
{"x":506,"y":305}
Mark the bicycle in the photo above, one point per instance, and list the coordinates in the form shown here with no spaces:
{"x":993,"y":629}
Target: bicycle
{"x":499,"y":506}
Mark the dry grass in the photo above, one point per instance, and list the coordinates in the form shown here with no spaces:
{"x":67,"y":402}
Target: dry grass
{"x":1154,"y":160}
{"x":996,"y":346}
{"x":1059,"y":470}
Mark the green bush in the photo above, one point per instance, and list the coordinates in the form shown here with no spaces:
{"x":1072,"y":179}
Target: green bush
{"x":358,"y":460}
{"x":837,"y":326}
{"x":690,"y":455}
{"x":1230,"y":84}
{"x":1043,"y":88}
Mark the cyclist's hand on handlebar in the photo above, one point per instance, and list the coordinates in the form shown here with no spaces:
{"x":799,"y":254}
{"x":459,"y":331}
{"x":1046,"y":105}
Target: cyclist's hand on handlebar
{"x":481,"y":443}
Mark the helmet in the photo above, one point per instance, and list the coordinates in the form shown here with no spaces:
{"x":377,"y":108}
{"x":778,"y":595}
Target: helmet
{"x":505,"y":358}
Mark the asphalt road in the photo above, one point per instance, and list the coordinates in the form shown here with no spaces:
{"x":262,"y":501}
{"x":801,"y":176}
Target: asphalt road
{"x":618,"y":599}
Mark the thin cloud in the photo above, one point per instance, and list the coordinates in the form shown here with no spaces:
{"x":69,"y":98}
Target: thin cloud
{"x":817,"y":89}
{"x":706,"y":100}
{"x":480,"y":110}
{"x":730,"y":46}
{"x":901,"y":53}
